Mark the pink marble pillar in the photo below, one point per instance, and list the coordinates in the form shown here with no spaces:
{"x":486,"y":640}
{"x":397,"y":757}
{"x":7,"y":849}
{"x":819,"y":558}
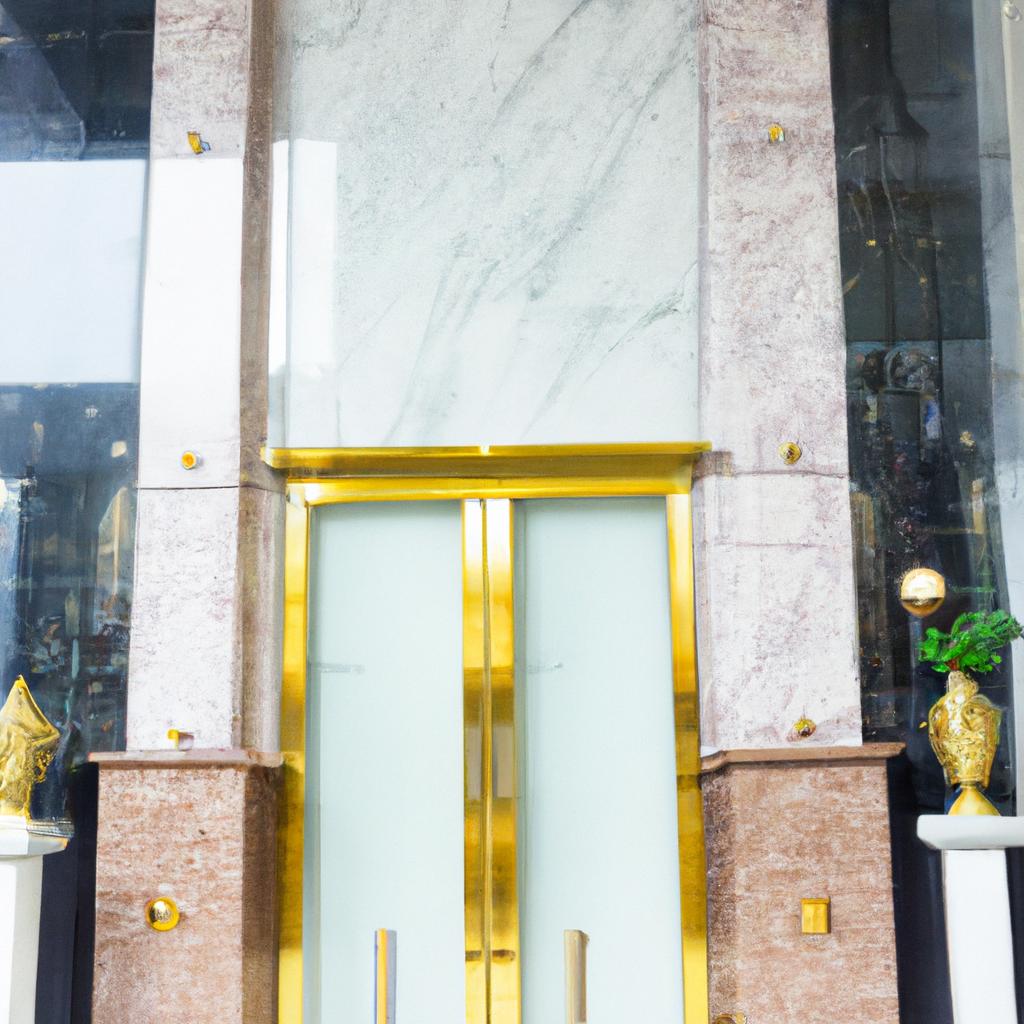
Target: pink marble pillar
{"x":783,"y":826}
{"x":199,"y":828}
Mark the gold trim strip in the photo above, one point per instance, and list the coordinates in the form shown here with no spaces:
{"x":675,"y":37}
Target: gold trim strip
{"x":692,"y":869}
{"x":293,"y":749}
{"x":328,"y":492}
{"x":474,"y":665}
{"x":553,"y":460}
{"x":501,"y":888}
{"x":492,"y":909}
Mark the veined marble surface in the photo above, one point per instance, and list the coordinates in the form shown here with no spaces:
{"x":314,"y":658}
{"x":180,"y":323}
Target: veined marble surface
{"x":494,"y":216}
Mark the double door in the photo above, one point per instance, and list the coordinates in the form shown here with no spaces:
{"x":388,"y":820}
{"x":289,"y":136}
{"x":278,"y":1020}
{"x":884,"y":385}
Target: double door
{"x":492,"y":819}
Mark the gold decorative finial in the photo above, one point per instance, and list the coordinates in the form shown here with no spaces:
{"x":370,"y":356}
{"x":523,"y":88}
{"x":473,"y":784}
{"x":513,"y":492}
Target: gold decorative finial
{"x":27,"y":744}
{"x":963,"y":727}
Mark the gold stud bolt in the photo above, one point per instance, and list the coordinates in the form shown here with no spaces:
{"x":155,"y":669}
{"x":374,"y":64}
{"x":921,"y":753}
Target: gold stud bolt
{"x":804,"y":727}
{"x":790,"y":452}
{"x":162,"y":914}
{"x":776,"y":133}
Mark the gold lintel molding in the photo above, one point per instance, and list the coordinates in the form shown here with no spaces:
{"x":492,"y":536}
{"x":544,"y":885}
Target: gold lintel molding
{"x":487,"y":471}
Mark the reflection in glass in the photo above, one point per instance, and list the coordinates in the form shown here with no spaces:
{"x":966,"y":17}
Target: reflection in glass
{"x":935,"y":394}
{"x":932,"y":314}
{"x":67,"y":518}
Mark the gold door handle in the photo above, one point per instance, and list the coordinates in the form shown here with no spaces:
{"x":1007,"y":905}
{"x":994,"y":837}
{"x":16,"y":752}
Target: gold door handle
{"x":576,"y":976}
{"x":385,"y":962}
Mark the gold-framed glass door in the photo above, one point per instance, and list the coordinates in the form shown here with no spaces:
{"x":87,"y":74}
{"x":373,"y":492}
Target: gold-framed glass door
{"x":499,"y":698}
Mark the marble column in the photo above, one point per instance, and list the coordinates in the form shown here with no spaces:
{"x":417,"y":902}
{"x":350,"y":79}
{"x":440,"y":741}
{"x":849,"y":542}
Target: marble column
{"x":777,"y":618}
{"x":198,"y":828}
{"x":21,"y":884}
{"x":205,"y":647}
{"x":977,"y":897}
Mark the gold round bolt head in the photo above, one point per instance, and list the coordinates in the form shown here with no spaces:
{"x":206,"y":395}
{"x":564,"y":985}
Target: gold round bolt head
{"x":922,"y":591}
{"x":162,"y":914}
{"x":804,"y":727}
{"x":790,"y":452}
{"x":776,"y":133}
{"x":189,"y":460}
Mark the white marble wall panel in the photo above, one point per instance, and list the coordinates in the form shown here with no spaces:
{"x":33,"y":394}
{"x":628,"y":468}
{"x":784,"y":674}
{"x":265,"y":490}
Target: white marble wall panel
{"x":191,"y":323}
{"x":185,"y":652}
{"x":206,"y":623}
{"x":201,"y":76}
{"x":777,"y":611}
{"x":516,"y":201}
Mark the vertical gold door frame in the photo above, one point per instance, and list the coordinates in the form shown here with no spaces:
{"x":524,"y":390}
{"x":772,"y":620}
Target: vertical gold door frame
{"x":487,"y":481}
{"x":290,"y":834}
{"x":492,"y":905}
{"x":692,"y":868}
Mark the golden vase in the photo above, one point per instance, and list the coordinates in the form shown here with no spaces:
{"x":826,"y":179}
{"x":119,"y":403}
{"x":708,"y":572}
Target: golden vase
{"x":27,"y":744}
{"x":963,"y":727}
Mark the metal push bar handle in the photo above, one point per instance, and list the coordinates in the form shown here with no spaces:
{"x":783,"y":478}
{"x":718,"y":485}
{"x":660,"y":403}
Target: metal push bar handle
{"x":575,"y":976}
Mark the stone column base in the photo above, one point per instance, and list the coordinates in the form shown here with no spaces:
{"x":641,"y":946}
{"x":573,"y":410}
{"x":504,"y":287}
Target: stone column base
{"x":198,"y":827}
{"x":790,"y":824}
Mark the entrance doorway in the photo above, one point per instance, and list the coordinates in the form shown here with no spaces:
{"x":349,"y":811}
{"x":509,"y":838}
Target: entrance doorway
{"x":489,"y":724}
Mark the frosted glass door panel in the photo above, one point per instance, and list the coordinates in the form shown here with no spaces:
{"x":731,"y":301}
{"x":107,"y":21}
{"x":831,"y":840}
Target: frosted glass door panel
{"x":598,"y":827}
{"x":384,"y":802}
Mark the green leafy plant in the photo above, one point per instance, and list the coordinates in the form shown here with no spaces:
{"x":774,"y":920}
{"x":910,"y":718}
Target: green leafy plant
{"x":971,"y":645}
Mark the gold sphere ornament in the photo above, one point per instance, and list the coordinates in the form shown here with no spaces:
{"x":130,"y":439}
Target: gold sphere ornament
{"x":162,"y":914}
{"x":922,"y":592}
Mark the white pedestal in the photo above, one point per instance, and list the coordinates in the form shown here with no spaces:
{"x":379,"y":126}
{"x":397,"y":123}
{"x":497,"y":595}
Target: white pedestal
{"x":21,"y":876}
{"x":977,"y":911}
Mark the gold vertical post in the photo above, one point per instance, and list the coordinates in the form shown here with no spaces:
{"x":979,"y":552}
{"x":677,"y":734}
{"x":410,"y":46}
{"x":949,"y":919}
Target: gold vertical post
{"x":386,"y":977}
{"x":501,"y":883}
{"x":473,"y":664}
{"x":492,"y":911}
{"x":293,"y":749}
{"x":575,"y":976}
{"x":692,"y":875}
